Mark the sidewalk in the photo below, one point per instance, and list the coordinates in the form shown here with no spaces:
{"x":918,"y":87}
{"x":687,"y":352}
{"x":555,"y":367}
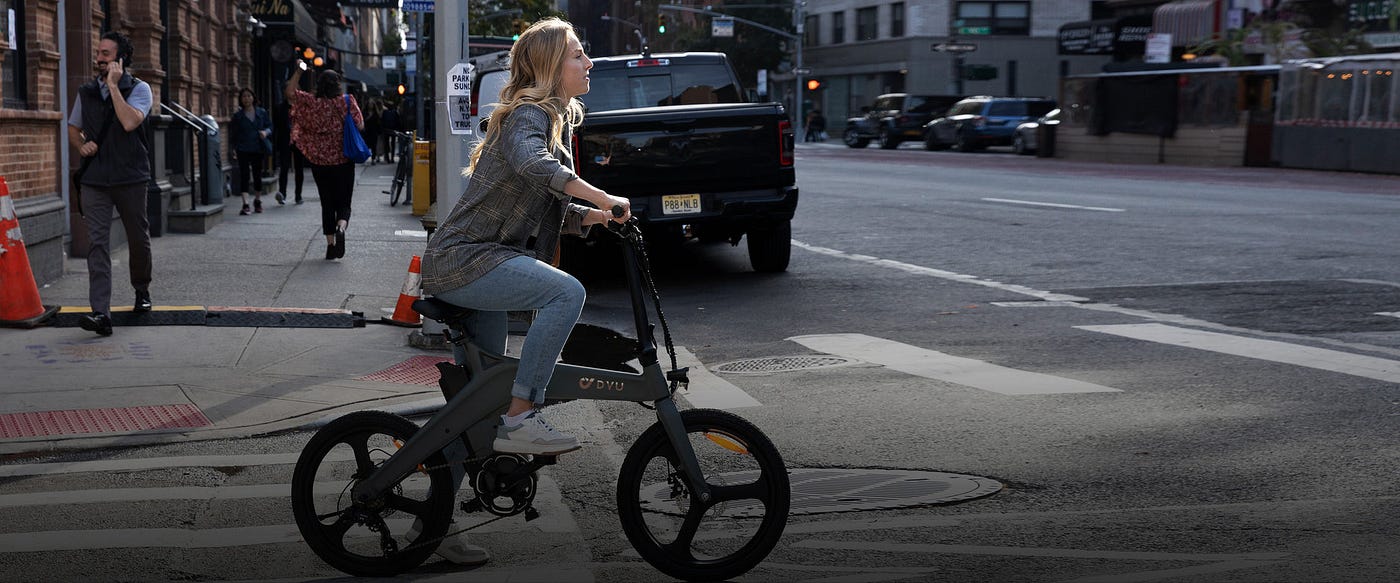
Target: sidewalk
{"x":66,"y":388}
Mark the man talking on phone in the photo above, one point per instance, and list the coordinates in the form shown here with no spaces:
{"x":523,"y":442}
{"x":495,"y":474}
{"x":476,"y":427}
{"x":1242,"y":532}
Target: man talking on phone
{"x":106,"y":126}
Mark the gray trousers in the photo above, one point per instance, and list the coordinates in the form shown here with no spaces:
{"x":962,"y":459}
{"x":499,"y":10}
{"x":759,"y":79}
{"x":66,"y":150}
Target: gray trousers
{"x":130,"y":202}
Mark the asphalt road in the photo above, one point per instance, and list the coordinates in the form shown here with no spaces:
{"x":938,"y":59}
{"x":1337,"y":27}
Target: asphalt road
{"x":1174,"y":374}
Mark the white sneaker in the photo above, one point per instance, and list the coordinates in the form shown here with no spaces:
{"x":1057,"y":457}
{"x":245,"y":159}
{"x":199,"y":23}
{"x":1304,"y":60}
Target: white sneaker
{"x":534,"y":436}
{"x":455,"y":548}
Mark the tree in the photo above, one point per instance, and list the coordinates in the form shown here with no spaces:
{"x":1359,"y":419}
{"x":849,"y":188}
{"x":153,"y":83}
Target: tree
{"x":496,"y":17}
{"x":750,"y":49}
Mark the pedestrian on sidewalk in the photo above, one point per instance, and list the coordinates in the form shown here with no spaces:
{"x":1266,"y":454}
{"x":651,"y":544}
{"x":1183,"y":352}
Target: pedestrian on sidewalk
{"x":372,"y":129}
{"x":107,"y":127}
{"x":289,"y":157}
{"x":250,"y":128}
{"x":317,"y":128}
{"x":388,"y":124}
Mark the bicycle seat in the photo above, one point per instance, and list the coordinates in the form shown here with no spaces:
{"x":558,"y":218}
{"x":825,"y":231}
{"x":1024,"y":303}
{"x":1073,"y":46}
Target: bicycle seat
{"x":441,"y":311}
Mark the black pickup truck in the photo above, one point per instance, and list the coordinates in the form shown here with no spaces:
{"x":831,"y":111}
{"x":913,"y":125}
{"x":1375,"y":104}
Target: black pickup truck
{"x":673,"y":133}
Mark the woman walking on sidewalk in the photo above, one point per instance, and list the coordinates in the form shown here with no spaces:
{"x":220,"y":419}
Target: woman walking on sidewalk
{"x":318,"y":130}
{"x":250,"y":127}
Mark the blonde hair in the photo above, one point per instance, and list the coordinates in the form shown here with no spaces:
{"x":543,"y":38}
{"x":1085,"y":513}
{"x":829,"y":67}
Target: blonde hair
{"x":535,"y":64}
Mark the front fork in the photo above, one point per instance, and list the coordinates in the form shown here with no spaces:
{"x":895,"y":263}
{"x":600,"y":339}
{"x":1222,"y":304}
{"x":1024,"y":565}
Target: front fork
{"x":670,"y":419}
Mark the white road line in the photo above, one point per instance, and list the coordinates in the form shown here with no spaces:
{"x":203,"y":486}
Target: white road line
{"x":948,"y":275}
{"x":1271,"y":350}
{"x":208,"y":493}
{"x":1391,"y":314}
{"x":939,"y":366}
{"x":1161,"y":574}
{"x":126,"y":465}
{"x":1055,"y":204}
{"x":555,"y":517}
{"x":894,"y":547}
{"x":709,"y":391}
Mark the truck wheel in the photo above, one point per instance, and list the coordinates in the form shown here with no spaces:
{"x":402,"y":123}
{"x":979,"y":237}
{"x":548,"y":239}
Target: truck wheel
{"x":770,"y":247}
{"x":853,"y":139}
{"x":888,"y":141}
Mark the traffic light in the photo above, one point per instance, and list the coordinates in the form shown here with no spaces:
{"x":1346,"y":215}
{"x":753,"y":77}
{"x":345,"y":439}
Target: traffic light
{"x":813,"y":84}
{"x":308,"y":53}
{"x":402,"y":89}
{"x":661,"y":24}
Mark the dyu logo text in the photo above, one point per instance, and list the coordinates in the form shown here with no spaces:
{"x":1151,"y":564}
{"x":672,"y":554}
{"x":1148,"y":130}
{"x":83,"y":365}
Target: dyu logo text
{"x":587,"y":383}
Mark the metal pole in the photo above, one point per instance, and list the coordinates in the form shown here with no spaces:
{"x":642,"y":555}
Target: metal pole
{"x":799,"y":24}
{"x":63,"y":155}
{"x":449,"y":48}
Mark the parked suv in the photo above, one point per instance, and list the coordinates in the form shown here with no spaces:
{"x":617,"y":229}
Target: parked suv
{"x":977,"y":122}
{"x":894,"y":118}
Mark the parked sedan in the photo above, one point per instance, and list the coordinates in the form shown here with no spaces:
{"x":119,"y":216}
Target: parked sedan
{"x":977,"y":122}
{"x":1026,"y":141}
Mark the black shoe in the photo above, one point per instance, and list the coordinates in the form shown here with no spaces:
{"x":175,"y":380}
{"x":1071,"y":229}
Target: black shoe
{"x":99,"y":323}
{"x":245,"y":210}
{"x":298,"y":199}
{"x":143,"y":302}
{"x":330,"y":251}
{"x":339,"y":243}
{"x":257,"y":205}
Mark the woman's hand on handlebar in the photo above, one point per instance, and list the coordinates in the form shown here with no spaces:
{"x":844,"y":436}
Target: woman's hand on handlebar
{"x":618,"y":209}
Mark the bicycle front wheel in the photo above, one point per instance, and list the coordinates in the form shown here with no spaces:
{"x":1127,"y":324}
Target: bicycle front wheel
{"x":718,"y":539}
{"x":396,"y":190}
{"x":368,"y":539}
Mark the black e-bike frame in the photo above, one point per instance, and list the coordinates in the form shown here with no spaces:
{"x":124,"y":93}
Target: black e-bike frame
{"x":472,"y":413}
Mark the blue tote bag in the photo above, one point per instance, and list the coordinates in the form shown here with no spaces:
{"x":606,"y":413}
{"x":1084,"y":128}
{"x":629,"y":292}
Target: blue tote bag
{"x":355,"y":148}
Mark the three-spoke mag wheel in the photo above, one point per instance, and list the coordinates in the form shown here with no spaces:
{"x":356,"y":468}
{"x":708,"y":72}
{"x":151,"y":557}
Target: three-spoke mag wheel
{"x":717,"y":539}
{"x":369,"y":539}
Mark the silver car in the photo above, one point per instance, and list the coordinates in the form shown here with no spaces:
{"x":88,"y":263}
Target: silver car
{"x":1024,"y":142}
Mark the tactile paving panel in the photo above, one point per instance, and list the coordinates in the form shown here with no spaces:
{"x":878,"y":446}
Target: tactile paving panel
{"x":827,"y":490}
{"x":419,"y":370}
{"x":109,"y":420}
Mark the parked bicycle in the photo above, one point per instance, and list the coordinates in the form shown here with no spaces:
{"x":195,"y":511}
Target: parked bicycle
{"x":702,"y":494}
{"x":403,"y":170}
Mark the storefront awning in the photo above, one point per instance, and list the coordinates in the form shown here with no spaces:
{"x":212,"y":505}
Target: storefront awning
{"x":1113,"y":36}
{"x":1190,"y":22}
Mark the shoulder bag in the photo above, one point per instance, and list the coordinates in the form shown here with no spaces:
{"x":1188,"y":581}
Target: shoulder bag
{"x":355,"y":148}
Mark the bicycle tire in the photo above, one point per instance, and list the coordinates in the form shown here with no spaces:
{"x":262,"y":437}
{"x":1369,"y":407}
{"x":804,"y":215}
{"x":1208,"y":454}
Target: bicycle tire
{"x":400,"y":179}
{"x":367,"y":433}
{"x":651,"y":492}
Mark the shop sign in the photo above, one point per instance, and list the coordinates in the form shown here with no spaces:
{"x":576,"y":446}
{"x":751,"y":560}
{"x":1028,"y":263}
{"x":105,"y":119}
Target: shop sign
{"x":1120,"y":36}
{"x":1374,"y":15}
{"x":270,"y":11}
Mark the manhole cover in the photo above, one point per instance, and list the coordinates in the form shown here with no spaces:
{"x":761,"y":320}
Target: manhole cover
{"x":781,"y":364}
{"x":827,"y":490}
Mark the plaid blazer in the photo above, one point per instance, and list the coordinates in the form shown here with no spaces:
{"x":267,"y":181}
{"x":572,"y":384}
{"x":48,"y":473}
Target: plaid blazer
{"x":514,"y":205}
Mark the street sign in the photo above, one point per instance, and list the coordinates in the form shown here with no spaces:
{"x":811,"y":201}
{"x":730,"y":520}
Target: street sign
{"x":418,"y":5}
{"x":722,"y":27}
{"x":953,"y":47}
{"x":977,"y":30}
{"x":459,"y":98}
{"x":802,"y":71}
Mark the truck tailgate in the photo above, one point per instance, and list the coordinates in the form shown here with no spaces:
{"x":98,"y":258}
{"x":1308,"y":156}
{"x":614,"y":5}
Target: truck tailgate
{"x":684,"y":149}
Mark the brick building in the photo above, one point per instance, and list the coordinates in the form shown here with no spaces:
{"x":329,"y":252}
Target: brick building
{"x":191,"y":52}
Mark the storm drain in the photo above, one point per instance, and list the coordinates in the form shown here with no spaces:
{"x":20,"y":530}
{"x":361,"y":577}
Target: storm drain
{"x":419,"y":370}
{"x":828,"y":490}
{"x":781,"y":364}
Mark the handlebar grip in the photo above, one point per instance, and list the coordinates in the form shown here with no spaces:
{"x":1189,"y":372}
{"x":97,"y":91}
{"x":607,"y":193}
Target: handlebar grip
{"x":617,"y":211}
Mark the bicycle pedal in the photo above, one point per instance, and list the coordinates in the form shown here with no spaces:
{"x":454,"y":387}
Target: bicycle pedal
{"x":531,"y":514}
{"x":473,"y":505}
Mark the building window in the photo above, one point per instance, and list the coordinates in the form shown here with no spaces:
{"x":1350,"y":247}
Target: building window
{"x":866,"y":21}
{"x":12,"y":75}
{"x":838,"y":27}
{"x":809,"y":36}
{"x":897,"y":19}
{"x":1002,"y":18}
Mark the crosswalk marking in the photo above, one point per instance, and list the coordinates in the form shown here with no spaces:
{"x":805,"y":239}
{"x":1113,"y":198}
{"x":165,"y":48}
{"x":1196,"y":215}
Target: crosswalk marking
{"x":123,"y":465}
{"x":709,"y":391}
{"x":1271,"y":350}
{"x":939,"y":366}
{"x":1054,"y":204}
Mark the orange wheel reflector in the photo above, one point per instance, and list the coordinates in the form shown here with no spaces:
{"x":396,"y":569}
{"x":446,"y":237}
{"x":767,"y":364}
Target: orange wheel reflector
{"x":399,"y":445}
{"x":727,"y":443}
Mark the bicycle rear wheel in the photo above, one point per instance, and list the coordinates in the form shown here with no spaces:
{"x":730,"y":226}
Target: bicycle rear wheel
{"x":715,"y":540}
{"x":368,"y":539}
{"x":396,"y":189}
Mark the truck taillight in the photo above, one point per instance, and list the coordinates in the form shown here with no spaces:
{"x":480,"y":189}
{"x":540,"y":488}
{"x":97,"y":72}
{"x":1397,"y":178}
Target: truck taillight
{"x":787,"y":140}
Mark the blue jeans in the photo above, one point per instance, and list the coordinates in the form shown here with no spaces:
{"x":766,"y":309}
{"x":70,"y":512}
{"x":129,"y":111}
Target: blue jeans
{"x":522,"y":283}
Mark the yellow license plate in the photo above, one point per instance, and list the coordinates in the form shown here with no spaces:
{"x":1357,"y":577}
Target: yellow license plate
{"x":680,"y":204}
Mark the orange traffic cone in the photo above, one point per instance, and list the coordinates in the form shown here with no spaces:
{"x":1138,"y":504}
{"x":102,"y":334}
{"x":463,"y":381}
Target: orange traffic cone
{"x":403,"y":312}
{"x":19,"y":295}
